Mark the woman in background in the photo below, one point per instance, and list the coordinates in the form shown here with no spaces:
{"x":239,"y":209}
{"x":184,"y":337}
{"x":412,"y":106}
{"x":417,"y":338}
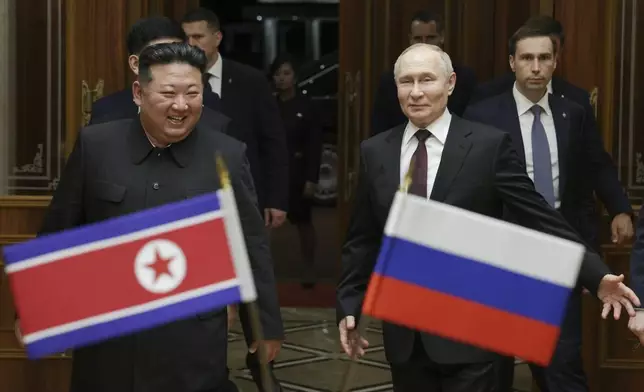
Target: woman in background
{"x":304,"y":138}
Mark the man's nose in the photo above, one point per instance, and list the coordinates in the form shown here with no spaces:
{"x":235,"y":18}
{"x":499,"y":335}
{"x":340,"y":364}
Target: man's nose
{"x":180,"y":102}
{"x":192,"y":41}
{"x":536,"y":66}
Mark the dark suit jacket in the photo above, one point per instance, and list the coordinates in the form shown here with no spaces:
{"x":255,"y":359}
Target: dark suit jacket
{"x":246,"y":98}
{"x":584,"y":165}
{"x":637,"y":258}
{"x":386,"y":108}
{"x":120,"y":105}
{"x":480,"y":171}
{"x":111,"y":172}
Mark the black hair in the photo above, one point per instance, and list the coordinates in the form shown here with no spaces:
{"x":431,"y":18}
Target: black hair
{"x":150,"y":29}
{"x":528,"y":32}
{"x":425,"y":16}
{"x":170,"y":53}
{"x":548,"y":25}
{"x":282,"y":59}
{"x":203,"y":15}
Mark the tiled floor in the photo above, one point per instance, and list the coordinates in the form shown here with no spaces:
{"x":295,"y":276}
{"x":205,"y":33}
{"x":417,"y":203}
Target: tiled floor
{"x":311,"y":360}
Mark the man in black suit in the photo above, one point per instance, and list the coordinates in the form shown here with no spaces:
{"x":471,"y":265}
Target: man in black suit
{"x":247,"y":99}
{"x":427,"y":28}
{"x":636,"y":324}
{"x":143,"y":33}
{"x":566,"y":160}
{"x":161,"y":157}
{"x":457,"y":162}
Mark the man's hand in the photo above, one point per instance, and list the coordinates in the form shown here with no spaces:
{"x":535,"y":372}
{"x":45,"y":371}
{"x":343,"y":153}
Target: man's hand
{"x":18,"y":332}
{"x":271,"y":349}
{"x":621,"y":228}
{"x":636,"y":325}
{"x":273,"y":217}
{"x":615,"y":294}
{"x":352,"y":343}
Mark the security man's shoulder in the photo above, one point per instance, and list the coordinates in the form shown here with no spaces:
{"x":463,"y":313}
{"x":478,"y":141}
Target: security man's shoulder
{"x":245,"y":70}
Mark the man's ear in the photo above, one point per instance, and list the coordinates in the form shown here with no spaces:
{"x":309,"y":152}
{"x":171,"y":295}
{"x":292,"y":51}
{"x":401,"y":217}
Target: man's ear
{"x":451,"y":83}
{"x":133,"y":62}
{"x":137,"y":93}
{"x":511,"y":60}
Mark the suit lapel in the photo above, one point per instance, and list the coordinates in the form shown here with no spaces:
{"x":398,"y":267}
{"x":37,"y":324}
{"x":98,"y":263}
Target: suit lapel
{"x":511,"y":124}
{"x":561,"y":119}
{"x":456,"y":148}
{"x":390,"y":167}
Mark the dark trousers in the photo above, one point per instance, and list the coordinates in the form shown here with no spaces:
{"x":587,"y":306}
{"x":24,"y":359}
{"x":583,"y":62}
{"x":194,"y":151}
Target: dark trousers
{"x":565,"y":372}
{"x":422,"y":374}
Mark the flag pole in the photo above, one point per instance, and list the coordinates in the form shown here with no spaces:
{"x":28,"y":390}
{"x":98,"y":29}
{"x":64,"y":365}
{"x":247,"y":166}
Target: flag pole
{"x":362,"y":326}
{"x":251,"y":307}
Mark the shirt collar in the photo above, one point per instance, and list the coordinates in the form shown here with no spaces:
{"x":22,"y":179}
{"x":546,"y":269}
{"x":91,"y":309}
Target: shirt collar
{"x":524,"y":104}
{"x":140,"y":145}
{"x":217,"y":68}
{"x":549,"y":86}
{"x":438,"y":128}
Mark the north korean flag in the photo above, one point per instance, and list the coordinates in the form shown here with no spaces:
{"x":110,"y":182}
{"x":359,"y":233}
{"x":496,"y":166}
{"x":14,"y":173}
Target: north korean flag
{"x":130,"y":273}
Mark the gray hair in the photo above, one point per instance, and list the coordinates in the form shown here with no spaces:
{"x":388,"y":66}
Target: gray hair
{"x":446,"y":60}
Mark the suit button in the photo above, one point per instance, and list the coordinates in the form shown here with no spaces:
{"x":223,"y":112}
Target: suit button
{"x":155,"y":186}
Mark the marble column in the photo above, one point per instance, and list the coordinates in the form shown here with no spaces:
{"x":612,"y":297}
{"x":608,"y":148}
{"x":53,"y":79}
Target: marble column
{"x":7,"y":90}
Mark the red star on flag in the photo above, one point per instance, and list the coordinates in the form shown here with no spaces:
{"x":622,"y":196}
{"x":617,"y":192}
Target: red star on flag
{"x":161,"y":266}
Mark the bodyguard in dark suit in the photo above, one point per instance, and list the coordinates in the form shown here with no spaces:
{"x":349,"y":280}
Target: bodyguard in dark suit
{"x":125,"y":166}
{"x":565,"y":158}
{"x":457,"y":162}
{"x":246,"y":98}
{"x":120,"y":105}
{"x":636,"y":324}
{"x":427,"y":28}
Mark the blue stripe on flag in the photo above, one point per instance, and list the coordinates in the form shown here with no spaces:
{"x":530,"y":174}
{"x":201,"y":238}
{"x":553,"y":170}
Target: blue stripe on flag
{"x":111,"y":228}
{"x":123,"y":326}
{"x":472,"y":280}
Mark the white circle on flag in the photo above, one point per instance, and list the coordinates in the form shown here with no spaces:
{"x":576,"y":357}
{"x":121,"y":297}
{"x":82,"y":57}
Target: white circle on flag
{"x":160,"y":266}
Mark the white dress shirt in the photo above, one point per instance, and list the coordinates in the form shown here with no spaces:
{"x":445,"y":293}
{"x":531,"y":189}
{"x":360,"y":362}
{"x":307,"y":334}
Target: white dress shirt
{"x":525,"y":120}
{"x":434,"y":145}
{"x":216,"y":73}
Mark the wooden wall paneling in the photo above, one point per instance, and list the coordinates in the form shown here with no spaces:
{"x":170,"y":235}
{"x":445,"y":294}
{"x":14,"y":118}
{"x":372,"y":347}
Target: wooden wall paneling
{"x":38,"y":121}
{"x":176,"y":9}
{"x":509,"y":15}
{"x":472,"y":35}
{"x":20,"y":219}
{"x":96,"y":56}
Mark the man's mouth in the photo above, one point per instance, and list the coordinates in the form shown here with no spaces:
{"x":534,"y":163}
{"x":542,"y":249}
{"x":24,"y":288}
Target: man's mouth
{"x":176,"y":119}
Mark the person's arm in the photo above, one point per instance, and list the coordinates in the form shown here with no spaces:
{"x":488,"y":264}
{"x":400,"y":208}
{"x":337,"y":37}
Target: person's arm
{"x":637,"y":258}
{"x":359,"y":251}
{"x":259,"y":254}
{"x":273,"y":151}
{"x":603,"y":171}
{"x":66,"y":210}
{"x":519,"y":195}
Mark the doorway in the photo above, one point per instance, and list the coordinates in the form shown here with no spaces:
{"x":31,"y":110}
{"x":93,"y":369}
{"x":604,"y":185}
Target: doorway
{"x":255,"y":32}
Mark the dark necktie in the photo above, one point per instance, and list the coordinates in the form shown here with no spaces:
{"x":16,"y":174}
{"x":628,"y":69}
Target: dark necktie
{"x":541,"y":162}
{"x":205,"y":77}
{"x":419,"y":169}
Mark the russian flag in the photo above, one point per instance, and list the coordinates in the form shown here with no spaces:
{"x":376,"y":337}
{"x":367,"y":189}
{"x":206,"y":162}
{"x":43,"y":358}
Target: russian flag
{"x":129,"y":273}
{"x":473,"y":279}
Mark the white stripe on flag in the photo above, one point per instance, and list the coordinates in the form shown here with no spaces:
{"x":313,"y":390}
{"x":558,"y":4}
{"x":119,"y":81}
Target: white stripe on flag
{"x":117,"y":314}
{"x":477,"y":237}
{"x":237,"y":245}
{"x":114,"y":241}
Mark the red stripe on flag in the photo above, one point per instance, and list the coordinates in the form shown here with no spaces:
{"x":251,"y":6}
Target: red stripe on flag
{"x":427,"y":310}
{"x":103,"y":281}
